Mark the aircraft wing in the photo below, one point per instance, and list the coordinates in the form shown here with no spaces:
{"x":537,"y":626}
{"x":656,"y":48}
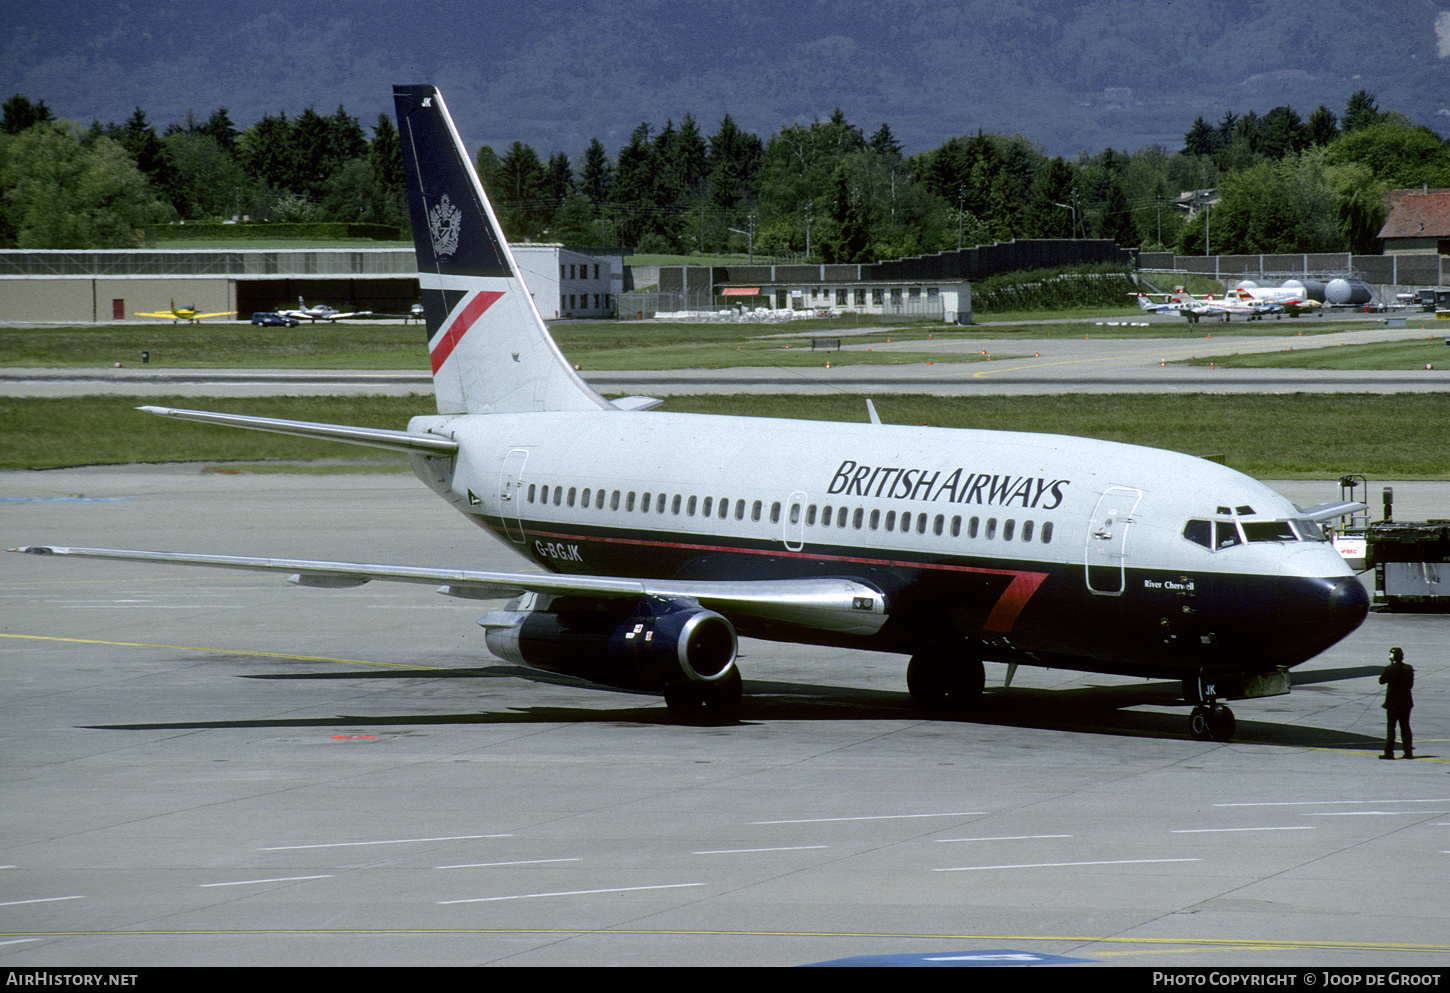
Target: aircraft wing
{"x":830,"y":604}
{"x":183,"y":316}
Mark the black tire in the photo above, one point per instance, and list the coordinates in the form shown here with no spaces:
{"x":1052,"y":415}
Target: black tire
{"x":1221,"y":724}
{"x":707,"y":703}
{"x":945,"y":685}
{"x":1198,"y":724}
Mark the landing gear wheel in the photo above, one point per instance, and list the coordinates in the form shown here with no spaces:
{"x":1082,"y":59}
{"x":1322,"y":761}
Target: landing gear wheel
{"x":1221,"y":723}
{"x":945,"y":685}
{"x":1198,"y":723}
{"x":1212,"y":722}
{"x":706,"y":703}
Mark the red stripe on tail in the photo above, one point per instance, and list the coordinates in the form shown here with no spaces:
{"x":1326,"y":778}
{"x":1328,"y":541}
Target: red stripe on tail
{"x":450,"y":338}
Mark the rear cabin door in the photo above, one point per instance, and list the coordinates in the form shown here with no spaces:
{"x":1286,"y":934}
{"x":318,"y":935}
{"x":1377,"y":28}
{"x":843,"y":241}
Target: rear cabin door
{"x":510,"y":494}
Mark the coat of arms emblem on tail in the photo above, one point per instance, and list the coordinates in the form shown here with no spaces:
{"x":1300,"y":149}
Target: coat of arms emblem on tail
{"x":443,"y":224}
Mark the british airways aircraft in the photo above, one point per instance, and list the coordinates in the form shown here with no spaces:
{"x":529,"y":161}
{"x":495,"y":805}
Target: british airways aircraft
{"x":667,"y":536}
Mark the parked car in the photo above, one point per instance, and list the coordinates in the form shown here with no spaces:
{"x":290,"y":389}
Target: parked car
{"x":271,"y":319}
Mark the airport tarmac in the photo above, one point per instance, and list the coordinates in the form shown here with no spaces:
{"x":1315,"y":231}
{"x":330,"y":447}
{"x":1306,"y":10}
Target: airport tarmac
{"x":211,"y":767}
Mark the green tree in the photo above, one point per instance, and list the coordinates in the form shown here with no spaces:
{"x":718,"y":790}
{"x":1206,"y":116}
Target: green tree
{"x":486,"y":162}
{"x":1360,"y":112}
{"x":58,"y":194}
{"x":1400,"y":155}
{"x":20,"y":114}
{"x":1272,"y":208}
{"x":1281,"y":132}
{"x":1323,"y":126}
{"x":386,"y":155}
{"x":846,"y":237}
{"x":734,"y":161}
{"x":209,"y":183}
{"x":521,"y":193}
{"x":267,"y":154}
{"x":598,"y":174}
{"x":1050,"y":213}
{"x":1201,"y":138}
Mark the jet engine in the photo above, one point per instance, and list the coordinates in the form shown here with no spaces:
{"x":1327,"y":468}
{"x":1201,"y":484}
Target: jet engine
{"x":668,"y":645}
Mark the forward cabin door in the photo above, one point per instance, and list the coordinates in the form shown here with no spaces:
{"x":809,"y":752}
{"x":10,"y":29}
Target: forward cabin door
{"x":510,"y":494}
{"x":1106,"y":555}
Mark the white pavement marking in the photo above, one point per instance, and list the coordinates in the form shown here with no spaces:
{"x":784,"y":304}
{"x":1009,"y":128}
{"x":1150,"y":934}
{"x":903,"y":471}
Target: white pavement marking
{"x":42,"y":899}
{"x":751,"y":851}
{"x":537,"y":896}
{"x":1007,"y":837}
{"x":1326,"y":803}
{"x":871,"y":817}
{"x":1059,"y":865}
{"x":274,"y":879}
{"x":494,"y":865}
{"x":1304,"y":827}
{"x":391,"y":841}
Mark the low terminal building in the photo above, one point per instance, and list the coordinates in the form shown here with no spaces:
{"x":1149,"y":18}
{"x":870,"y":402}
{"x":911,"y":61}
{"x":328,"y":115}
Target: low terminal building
{"x":61,"y":286}
{"x":923,"y":287}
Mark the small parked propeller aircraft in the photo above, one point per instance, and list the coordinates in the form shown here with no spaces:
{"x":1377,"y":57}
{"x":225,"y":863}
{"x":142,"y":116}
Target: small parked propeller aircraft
{"x":186,"y":314}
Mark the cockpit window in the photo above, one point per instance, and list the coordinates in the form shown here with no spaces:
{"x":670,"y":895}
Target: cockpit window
{"x":1310,"y":531}
{"x":1225,"y":533}
{"x":1269,"y":531}
{"x":1212,"y":534}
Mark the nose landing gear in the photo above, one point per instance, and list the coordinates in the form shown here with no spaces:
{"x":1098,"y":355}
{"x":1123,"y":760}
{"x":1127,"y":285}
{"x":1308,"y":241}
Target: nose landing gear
{"x":1212,"y":722}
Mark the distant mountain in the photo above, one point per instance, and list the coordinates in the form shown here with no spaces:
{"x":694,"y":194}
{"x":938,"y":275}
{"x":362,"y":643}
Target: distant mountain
{"x":1068,"y":76}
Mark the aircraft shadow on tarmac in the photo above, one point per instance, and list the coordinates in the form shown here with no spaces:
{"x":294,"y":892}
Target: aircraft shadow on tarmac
{"x":1083,"y":709}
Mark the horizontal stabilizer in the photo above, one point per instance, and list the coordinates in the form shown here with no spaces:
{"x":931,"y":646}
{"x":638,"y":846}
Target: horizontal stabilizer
{"x":1329,"y":511}
{"x":398,"y":441}
{"x":637,"y":403}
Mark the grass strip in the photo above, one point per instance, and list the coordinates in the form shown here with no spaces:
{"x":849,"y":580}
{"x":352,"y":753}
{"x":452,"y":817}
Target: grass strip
{"x":1268,"y":436}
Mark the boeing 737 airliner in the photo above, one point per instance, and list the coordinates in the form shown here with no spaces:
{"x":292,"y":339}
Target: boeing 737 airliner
{"x":666,"y":536}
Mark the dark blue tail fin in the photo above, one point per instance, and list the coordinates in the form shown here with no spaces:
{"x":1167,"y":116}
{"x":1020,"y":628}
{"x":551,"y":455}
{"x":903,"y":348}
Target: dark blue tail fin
{"x":490,"y":351}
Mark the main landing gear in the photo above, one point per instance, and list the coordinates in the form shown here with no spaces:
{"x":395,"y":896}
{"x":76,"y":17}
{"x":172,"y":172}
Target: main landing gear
{"x":1212,"y":722}
{"x":706,"y":703}
{"x":945,"y":684}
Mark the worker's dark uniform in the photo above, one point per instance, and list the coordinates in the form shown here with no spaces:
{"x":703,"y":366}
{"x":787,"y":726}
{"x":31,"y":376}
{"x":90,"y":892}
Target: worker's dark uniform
{"x":1398,"y":678}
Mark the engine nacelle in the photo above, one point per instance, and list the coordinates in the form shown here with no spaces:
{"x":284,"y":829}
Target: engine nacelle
{"x":652,"y":644}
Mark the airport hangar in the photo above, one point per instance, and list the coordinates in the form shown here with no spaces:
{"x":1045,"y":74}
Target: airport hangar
{"x":63,"y":286}
{"x":97,"y":286}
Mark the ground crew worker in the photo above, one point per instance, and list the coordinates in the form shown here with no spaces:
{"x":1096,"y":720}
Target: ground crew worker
{"x":1397,"y":680}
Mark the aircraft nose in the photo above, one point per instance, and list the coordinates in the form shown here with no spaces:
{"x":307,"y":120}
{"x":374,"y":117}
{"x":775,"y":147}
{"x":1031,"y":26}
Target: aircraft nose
{"x":1347,"y":604}
{"x":1317,"y":613}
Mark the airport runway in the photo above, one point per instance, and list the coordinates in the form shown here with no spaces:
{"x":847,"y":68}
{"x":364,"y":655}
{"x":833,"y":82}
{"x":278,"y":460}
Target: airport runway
{"x":206,"y":767}
{"x":1091,"y":364}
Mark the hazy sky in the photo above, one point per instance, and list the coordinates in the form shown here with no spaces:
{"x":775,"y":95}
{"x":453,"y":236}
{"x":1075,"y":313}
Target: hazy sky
{"x":1069,"y":76}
